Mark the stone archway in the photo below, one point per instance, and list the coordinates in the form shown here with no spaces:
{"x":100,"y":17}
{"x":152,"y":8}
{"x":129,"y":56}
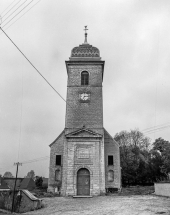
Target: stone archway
{"x":83,"y":182}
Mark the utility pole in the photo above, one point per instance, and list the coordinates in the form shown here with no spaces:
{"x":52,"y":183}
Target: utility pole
{"x":17,"y":164}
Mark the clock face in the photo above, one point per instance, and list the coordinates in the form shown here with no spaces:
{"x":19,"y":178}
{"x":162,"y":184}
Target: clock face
{"x":84,"y":96}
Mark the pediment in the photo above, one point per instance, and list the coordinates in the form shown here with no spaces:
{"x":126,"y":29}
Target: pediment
{"x":83,"y":133}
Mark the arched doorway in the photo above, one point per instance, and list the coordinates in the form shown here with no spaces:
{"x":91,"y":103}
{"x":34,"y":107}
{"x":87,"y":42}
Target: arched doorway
{"x":83,"y":182}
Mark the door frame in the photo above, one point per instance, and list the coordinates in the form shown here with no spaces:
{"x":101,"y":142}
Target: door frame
{"x":91,"y":177}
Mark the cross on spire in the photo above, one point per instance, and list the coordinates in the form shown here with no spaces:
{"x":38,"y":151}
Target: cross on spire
{"x":85,"y":29}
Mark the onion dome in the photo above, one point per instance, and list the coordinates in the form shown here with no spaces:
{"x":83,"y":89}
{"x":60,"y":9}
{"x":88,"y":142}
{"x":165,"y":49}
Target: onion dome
{"x":85,"y":51}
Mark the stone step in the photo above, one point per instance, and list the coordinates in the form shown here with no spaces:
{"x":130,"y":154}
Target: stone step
{"x":82,"y":196}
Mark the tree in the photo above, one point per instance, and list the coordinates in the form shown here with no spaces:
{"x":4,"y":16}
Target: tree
{"x":162,"y":148}
{"x":30,"y":174}
{"x":8,"y":175}
{"x":38,"y":181}
{"x":134,"y":156}
{"x":155,"y":163}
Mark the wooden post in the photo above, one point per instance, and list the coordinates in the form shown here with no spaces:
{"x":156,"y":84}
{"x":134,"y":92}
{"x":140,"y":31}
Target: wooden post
{"x":17,"y":164}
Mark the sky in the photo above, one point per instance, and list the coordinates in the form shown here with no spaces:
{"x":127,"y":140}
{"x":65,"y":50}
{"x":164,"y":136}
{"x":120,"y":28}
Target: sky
{"x":133,"y":37}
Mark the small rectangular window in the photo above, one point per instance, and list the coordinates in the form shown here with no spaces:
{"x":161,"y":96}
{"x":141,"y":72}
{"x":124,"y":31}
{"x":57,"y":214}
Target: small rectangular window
{"x":58,"y":175}
{"x":58,"y":160}
{"x":110,"y":160}
{"x":84,"y":78}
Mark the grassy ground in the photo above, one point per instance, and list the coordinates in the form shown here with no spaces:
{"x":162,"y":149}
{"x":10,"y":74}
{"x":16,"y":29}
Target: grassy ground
{"x":105,"y":205}
{"x":126,"y":191}
{"x":137,"y":190}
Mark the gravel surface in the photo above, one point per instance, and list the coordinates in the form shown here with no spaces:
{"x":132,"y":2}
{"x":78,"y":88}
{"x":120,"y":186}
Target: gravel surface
{"x":105,"y":205}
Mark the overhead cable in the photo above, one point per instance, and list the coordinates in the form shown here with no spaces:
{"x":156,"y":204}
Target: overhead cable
{"x":21,"y":16}
{"x":11,"y":8}
{"x":35,"y":160}
{"x":33,"y":66}
{"x":7,"y":7}
{"x":17,"y":13}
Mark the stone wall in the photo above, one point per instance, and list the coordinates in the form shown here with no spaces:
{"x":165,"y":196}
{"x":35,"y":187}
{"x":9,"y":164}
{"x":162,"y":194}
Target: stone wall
{"x":29,"y":205}
{"x":57,"y":148}
{"x":22,"y":203}
{"x":93,"y":164}
{"x":84,"y":114}
{"x":112,"y":148}
{"x":162,"y":189}
{"x":71,"y":163}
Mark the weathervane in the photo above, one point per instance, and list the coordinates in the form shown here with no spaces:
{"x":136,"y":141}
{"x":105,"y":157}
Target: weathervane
{"x":85,"y":41}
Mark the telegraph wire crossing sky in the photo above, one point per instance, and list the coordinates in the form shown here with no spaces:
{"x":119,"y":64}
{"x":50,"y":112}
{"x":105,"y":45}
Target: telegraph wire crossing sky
{"x":133,"y":39}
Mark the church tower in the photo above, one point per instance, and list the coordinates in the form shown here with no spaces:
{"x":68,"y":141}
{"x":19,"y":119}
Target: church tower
{"x":84,"y":158}
{"x":84,"y":89}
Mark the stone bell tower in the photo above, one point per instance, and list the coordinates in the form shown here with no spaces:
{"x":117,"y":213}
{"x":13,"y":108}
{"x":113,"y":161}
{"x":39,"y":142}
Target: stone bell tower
{"x":80,"y":155}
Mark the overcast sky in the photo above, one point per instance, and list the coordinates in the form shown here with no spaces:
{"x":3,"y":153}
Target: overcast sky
{"x":133,"y":37}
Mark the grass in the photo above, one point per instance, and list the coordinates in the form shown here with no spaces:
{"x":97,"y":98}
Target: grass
{"x":137,"y":190}
{"x":126,"y":191}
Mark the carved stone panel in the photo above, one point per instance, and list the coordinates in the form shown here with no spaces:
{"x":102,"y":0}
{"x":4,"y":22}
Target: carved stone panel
{"x":83,"y":154}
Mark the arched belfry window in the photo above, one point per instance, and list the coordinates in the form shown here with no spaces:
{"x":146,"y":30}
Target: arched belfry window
{"x":84,"y":78}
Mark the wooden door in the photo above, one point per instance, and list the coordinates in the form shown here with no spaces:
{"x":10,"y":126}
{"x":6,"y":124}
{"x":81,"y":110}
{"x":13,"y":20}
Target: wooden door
{"x":83,"y":182}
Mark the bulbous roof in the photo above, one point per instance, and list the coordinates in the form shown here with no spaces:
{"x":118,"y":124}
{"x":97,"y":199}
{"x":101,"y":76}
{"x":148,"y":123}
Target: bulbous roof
{"x":85,"y":51}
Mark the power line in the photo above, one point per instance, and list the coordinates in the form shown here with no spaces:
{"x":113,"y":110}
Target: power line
{"x":22,"y":15}
{"x":20,"y":122}
{"x":33,"y":66}
{"x":154,"y":128}
{"x":17,"y":13}
{"x":11,"y":9}
{"x":36,"y":160}
{"x":26,"y":162}
{"x":5,"y":168}
{"x":7,"y":7}
{"x":163,"y":127}
{"x":157,"y":129}
{"x":14,"y":11}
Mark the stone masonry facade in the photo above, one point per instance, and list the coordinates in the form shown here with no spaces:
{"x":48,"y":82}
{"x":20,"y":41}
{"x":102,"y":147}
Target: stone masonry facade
{"x":84,"y":159}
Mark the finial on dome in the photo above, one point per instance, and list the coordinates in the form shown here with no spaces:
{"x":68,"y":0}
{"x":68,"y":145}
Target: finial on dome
{"x":85,"y":40}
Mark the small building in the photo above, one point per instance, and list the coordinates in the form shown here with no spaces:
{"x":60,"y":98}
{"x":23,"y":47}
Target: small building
{"x":21,"y":183}
{"x":29,"y":202}
{"x":11,"y":182}
{"x":3,"y":185}
{"x":24,"y":201}
{"x":27,"y":184}
{"x":84,"y":158}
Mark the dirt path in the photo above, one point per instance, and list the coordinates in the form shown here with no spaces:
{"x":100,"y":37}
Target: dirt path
{"x":105,"y":205}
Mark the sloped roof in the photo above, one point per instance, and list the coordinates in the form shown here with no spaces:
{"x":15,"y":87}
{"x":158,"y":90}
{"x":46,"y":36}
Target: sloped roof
{"x":111,"y":137}
{"x":3,"y":185}
{"x":88,"y":132}
{"x":30,"y":195}
{"x":26,"y":183}
{"x":57,"y":138}
{"x":11,"y":181}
